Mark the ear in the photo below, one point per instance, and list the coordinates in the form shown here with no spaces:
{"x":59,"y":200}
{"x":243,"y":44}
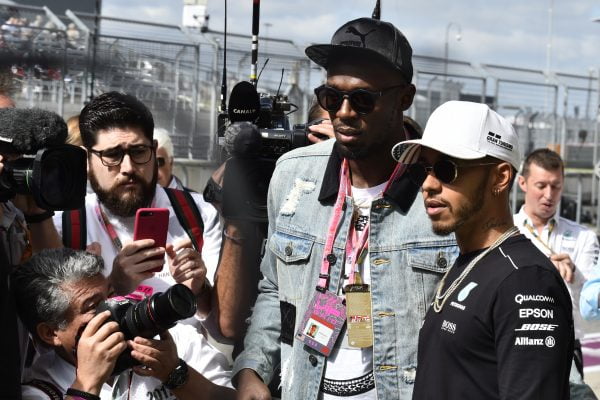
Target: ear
{"x":522,"y":183}
{"x":47,"y":334}
{"x":408,"y":94}
{"x":503,"y":177}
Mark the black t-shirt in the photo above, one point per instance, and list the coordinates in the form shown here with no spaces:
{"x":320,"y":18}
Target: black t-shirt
{"x":506,"y":332}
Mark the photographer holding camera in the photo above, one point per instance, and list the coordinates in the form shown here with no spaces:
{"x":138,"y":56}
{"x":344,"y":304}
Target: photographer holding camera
{"x":57,"y":293}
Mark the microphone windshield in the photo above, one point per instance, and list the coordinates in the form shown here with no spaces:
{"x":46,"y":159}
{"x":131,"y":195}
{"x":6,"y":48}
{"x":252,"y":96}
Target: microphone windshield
{"x":28,"y":130}
{"x":242,"y":139}
{"x":244,"y":103}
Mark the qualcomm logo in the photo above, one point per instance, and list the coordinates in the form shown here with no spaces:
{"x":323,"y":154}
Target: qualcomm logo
{"x":464,"y":293}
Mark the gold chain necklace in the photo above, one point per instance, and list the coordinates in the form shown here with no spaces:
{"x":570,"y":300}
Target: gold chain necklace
{"x":440,"y":298}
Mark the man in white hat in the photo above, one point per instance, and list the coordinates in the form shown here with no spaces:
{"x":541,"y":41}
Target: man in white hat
{"x":500,"y":325}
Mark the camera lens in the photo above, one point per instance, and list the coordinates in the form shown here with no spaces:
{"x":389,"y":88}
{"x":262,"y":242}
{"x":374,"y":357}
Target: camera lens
{"x":176,"y":303}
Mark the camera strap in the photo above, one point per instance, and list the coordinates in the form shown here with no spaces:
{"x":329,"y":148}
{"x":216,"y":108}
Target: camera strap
{"x":48,"y":388}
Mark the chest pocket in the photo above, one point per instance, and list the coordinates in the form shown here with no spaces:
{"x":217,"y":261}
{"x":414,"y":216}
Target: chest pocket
{"x":289,"y":248}
{"x":432,"y":258}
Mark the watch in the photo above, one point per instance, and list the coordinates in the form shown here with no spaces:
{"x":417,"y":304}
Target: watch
{"x":178,"y":377}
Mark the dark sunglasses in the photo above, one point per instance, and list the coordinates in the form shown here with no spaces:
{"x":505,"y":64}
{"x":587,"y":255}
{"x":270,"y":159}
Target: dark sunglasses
{"x":446,"y":171}
{"x":361,"y":100}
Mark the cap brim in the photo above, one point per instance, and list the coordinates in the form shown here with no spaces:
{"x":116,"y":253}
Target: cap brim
{"x":320,"y":53}
{"x":408,"y":152}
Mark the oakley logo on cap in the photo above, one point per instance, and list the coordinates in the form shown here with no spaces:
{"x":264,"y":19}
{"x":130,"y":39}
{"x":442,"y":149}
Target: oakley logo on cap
{"x":362,"y":36}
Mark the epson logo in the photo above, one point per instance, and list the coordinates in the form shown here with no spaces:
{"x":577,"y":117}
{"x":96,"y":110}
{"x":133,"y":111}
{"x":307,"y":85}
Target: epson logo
{"x":536,"y":313}
{"x":242,"y":111}
{"x":520,"y":298}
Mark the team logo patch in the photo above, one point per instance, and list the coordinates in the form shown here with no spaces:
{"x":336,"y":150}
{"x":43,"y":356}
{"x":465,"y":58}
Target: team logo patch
{"x":464,"y":293}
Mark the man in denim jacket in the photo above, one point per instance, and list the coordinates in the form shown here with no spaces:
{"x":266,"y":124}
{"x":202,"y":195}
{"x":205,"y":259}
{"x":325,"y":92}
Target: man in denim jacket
{"x":315,"y":222}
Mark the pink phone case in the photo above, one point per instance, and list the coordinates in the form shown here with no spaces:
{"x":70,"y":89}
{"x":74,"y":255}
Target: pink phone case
{"x":152,"y":223}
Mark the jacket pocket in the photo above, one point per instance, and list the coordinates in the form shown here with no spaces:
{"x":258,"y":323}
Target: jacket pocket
{"x":289,"y":248}
{"x":433,"y":258}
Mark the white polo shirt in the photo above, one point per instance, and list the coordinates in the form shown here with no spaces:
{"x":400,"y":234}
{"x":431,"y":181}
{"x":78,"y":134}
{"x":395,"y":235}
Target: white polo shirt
{"x":192,"y":347}
{"x":561,"y":235}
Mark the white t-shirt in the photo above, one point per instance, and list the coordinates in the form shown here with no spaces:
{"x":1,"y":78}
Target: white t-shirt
{"x":345,"y":362}
{"x":96,"y":232}
{"x":192,"y":347}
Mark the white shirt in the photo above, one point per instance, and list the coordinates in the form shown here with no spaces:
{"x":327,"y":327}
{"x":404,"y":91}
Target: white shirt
{"x":96,"y":232}
{"x":192,"y":347}
{"x":561,"y":235}
{"x":347,"y":362}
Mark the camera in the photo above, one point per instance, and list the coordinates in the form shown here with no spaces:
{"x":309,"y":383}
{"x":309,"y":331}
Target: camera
{"x":56,"y":177}
{"x":148,"y":317}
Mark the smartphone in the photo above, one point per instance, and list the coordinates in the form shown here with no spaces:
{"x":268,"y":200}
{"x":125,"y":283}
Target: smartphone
{"x":152,"y":223}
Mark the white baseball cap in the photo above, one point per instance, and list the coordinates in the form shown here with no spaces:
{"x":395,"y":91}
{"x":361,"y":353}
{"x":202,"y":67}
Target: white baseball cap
{"x":466,"y":131}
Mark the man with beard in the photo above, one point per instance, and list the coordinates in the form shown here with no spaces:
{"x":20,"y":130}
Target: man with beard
{"x":346,"y":242}
{"x":500,"y":325}
{"x":116,"y":129}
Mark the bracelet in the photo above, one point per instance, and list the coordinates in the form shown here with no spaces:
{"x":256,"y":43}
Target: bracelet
{"x":80,"y":395}
{"x":37,"y":218}
{"x":236,"y":240}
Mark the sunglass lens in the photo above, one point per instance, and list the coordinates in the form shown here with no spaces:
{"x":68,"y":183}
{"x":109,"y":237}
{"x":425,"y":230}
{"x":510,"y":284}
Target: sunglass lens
{"x":445,"y":171}
{"x":417,"y":174}
{"x":329,"y":98}
{"x":362,"y":101}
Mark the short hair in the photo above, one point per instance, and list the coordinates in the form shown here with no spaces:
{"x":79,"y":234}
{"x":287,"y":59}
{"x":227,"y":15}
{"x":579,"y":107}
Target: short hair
{"x":164,"y":140}
{"x":315,"y":111}
{"x":38,"y":284}
{"x":544,"y":158}
{"x":114,"y":110}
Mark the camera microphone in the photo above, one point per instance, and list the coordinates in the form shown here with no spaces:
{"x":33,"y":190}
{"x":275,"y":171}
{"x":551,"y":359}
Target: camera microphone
{"x":242,"y":139}
{"x":25,"y":131}
{"x":244,"y":103}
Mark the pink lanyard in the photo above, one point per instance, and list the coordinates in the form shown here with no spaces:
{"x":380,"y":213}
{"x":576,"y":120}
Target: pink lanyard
{"x":103,"y":219}
{"x":345,"y":189}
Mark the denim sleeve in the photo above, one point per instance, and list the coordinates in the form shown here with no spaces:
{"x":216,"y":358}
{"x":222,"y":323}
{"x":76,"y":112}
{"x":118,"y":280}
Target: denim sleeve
{"x":262,"y":342}
{"x":588,"y":301}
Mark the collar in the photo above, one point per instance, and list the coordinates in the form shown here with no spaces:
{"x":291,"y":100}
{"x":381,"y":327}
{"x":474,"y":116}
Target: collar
{"x":551,"y":224}
{"x":401,"y":193}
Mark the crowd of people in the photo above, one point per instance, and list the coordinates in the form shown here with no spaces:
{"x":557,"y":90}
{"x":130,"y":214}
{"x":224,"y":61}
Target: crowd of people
{"x":392,"y":265}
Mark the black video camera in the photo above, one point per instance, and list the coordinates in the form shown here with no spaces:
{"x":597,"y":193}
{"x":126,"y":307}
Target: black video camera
{"x":54,"y":173}
{"x":148,"y":317}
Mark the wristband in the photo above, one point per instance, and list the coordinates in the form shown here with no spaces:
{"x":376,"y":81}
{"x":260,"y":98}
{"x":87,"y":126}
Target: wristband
{"x":37,"y":218}
{"x":236,"y":240}
{"x":80,"y":395}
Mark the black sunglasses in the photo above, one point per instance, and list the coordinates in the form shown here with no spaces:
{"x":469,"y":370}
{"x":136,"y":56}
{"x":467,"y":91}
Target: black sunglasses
{"x":446,"y":171}
{"x":361,"y":100}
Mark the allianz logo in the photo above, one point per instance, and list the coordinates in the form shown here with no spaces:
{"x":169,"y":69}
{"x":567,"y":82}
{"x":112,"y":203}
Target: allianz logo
{"x":549,"y":341}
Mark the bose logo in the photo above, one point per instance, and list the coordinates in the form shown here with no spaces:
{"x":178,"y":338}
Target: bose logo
{"x":537,"y":327}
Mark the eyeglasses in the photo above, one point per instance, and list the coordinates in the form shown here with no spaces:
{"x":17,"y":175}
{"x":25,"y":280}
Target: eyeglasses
{"x":139,"y":154}
{"x":361,"y":100}
{"x":446,"y":171}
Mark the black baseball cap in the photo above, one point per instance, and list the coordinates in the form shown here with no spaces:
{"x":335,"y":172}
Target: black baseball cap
{"x":370,"y":38}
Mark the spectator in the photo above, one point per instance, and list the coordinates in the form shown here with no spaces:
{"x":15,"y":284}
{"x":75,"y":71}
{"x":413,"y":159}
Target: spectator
{"x":572,"y":248}
{"x":393,"y":260}
{"x":57,"y":293}
{"x":164,"y":157}
{"x":501,"y":324}
{"x":74,"y":137}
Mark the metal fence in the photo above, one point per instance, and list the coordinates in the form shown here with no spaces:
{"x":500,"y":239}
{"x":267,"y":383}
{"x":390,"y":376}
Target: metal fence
{"x":177,"y":73}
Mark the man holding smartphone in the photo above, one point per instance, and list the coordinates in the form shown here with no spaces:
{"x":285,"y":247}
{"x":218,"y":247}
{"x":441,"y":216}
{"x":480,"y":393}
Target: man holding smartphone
{"x":117,"y":131}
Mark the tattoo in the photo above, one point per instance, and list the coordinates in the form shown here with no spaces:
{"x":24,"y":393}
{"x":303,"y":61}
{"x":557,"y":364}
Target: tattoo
{"x":492,"y":223}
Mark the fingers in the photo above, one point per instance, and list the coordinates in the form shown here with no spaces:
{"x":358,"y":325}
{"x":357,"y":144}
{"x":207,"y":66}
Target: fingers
{"x":131,"y":248}
{"x":565,"y":270}
{"x":183,"y":244}
{"x":95,"y":323}
{"x":94,"y":248}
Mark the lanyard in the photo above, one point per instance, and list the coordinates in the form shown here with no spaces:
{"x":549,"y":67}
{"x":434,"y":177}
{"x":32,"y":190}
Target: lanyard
{"x":110,"y":229}
{"x":357,"y":252}
{"x":539,"y":239}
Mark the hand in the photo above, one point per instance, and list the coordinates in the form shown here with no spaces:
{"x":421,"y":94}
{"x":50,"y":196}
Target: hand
{"x":317,"y":131}
{"x":251,"y":387}
{"x":133,"y":264}
{"x":158,"y":357}
{"x":95,"y":248}
{"x":564,"y":265}
{"x":97,"y":351}
{"x":186,"y":266}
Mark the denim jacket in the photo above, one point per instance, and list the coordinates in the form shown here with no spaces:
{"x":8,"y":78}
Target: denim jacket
{"x":407,"y":261}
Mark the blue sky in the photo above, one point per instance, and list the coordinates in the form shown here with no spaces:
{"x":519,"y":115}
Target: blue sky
{"x":507,"y":32}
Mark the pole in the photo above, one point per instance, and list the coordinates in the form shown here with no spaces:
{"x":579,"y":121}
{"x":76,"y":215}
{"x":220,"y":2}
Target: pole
{"x":255,"y":28}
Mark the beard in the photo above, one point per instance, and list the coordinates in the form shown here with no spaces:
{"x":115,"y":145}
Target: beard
{"x":463,"y":213}
{"x":124,"y":202}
